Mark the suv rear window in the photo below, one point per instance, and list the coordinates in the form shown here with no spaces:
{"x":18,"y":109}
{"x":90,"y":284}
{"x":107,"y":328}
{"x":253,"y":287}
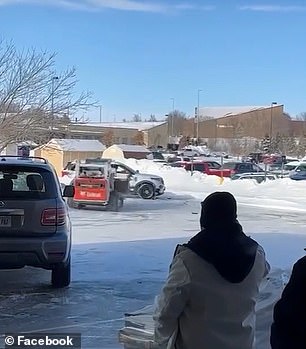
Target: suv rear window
{"x":25,"y":182}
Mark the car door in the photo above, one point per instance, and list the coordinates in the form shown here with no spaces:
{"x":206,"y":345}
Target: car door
{"x":122,"y":172}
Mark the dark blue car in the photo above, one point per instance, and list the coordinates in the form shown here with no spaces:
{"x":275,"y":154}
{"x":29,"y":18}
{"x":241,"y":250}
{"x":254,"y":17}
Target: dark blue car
{"x":299,"y":173}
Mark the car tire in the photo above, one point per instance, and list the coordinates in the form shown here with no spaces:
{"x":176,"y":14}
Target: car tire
{"x":146,"y":191}
{"x":72,"y":204}
{"x":61,"y":274}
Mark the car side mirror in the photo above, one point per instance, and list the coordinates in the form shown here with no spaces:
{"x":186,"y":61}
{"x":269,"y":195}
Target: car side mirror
{"x":137,"y":171}
{"x":68,"y":191}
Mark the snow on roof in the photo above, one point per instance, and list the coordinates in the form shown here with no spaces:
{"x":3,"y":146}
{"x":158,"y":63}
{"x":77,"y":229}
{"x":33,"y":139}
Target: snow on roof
{"x":141,"y":126}
{"x":78,"y":144}
{"x":219,"y":112}
{"x":133,"y":148}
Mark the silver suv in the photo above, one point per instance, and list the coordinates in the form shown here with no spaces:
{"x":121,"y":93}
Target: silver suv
{"x":145,"y":185}
{"x":35,"y":228}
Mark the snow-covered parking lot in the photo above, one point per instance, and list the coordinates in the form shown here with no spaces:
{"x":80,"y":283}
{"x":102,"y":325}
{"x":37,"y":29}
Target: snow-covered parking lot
{"x":120,"y":260}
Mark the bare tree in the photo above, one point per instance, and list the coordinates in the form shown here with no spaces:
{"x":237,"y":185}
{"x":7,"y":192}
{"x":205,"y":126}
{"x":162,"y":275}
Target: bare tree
{"x":301,"y":116}
{"x":33,"y":98}
{"x":137,"y":118}
{"x":176,"y":120}
{"x":138,"y":139}
{"x":152,"y":118}
{"x":108,"y":138}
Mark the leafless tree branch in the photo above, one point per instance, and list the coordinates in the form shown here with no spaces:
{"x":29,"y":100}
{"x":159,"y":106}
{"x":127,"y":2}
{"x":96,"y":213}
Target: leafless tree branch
{"x":34,"y":100}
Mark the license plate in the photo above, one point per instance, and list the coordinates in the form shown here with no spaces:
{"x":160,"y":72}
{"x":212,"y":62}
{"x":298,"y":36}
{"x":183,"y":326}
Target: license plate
{"x":5,"y":221}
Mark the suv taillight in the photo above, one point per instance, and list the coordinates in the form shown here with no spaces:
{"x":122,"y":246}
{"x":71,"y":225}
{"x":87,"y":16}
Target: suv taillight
{"x":65,"y":173}
{"x":54,"y":216}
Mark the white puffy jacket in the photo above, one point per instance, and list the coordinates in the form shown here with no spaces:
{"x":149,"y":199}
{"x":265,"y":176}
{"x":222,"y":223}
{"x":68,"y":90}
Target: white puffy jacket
{"x":199,"y":309}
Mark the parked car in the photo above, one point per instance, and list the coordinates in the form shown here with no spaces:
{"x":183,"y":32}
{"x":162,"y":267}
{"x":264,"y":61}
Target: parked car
{"x":174,"y":159}
{"x":35,"y":228}
{"x":147,"y":186}
{"x":158,"y":157}
{"x":241,"y":167}
{"x":283,"y":170}
{"x":299,"y":173}
{"x":259,"y":177}
{"x":207,"y":167}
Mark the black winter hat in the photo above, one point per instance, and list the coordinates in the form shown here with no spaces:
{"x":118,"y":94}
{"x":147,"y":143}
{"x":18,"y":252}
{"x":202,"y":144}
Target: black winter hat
{"x":218,"y":208}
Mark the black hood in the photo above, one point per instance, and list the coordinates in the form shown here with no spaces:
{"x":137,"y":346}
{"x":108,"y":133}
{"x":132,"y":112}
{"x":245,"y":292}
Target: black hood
{"x":221,"y":241}
{"x":232,"y":254}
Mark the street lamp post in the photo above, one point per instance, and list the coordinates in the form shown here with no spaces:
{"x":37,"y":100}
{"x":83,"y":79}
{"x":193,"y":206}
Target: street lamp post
{"x":216,"y":133}
{"x":271,"y":123}
{"x":198,"y":115}
{"x":172,"y":116}
{"x":100,"y":114}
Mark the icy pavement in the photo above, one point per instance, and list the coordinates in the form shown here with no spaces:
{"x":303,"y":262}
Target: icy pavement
{"x":120,"y":261}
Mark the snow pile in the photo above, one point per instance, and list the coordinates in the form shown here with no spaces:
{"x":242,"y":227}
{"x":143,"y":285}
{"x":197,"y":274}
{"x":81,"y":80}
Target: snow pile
{"x":181,"y":181}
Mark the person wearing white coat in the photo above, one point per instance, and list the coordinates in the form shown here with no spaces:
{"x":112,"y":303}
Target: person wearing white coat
{"x":208,"y":300}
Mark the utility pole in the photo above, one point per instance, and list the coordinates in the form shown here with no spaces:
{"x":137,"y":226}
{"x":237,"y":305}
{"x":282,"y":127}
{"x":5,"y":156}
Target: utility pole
{"x":100,"y":108}
{"x":172,"y":117}
{"x":271,"y":125}
{"x":198,"y":116}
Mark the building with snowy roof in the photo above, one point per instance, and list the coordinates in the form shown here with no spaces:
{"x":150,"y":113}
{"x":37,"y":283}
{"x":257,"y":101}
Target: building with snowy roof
{"x":152,"y":133}
{"x":61,"y":151}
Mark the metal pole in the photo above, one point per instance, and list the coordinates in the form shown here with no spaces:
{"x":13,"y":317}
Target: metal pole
{"x":100,"y":113}
{"x":216,"y":133}
{"x":198,"y":115}
{"x":168,"y":130}
{"x":172,"y":116}
{"x":271,"y":121}
{"x":271,"y":125}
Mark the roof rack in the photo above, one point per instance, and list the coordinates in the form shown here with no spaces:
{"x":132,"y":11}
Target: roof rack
{"x":18,"y":157}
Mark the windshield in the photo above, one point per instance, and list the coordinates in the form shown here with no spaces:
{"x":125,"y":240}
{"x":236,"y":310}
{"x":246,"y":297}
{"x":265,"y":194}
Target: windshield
{"x":301,"y":167}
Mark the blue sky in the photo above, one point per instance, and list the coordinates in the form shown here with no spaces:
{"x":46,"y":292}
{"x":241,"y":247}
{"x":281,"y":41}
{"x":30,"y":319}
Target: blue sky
{"x":136,"y":55}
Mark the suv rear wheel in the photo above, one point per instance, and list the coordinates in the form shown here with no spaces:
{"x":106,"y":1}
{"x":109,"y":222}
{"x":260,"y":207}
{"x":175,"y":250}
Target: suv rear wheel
{"x":61,"y":274}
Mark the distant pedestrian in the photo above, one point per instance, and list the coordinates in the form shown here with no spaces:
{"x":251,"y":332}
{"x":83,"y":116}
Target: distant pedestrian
{"x":208,"y":301}
{"x":288,"y":330}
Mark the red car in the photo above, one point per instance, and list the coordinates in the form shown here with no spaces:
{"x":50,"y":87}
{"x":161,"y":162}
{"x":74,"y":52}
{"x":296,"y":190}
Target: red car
{"x":207,"y":167}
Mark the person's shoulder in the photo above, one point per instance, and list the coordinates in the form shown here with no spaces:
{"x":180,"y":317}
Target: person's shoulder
{"x":182,"y":251}
{"x":300,"y":264}
{"x":186,"y":255}
{"x":260,"y":250}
